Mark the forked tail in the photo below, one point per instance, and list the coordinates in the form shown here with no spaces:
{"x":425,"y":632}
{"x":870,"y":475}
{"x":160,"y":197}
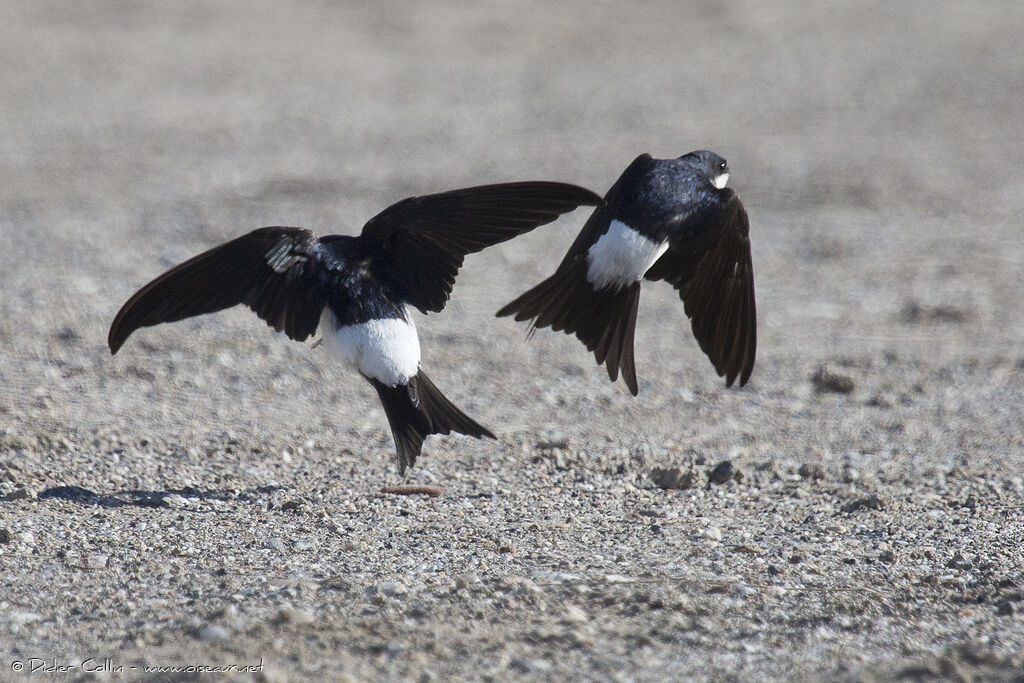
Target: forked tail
{"x":417,"y":410}
{"x":603,"y":319}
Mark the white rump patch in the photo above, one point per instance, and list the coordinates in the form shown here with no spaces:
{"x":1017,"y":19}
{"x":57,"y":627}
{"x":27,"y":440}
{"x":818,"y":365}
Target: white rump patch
{"x":387,"y":350}
{"x":720,"y":180}
{"x":621,"y":256}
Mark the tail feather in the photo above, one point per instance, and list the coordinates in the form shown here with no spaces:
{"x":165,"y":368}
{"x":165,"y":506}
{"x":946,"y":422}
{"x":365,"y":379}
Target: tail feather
{"x":415,"y":411}
{"x":444,"y":417}
{"x":409,"y":426}
{"x":626,"y":354}
{"x":604,"y":320}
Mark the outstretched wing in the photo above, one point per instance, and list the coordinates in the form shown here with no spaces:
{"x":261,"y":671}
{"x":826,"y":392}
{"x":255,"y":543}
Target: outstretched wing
{"x":421,"y":241}
{"x":271,"y":270}
{"x":712,"y":269}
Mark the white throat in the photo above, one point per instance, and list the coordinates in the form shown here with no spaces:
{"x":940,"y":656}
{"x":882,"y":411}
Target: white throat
{"x":720,"y":180}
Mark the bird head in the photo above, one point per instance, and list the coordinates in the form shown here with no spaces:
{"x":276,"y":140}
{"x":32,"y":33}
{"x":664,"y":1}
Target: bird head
{"x":710,"y":164}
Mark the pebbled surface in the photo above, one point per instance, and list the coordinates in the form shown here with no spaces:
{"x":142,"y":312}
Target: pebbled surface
{"x":211,"y":496}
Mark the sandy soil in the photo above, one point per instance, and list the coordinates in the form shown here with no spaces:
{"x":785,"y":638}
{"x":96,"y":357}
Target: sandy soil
{"x":210,"y":496}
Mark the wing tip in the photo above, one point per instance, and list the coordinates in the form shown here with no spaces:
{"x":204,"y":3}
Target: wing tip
{"x":116,"y":338}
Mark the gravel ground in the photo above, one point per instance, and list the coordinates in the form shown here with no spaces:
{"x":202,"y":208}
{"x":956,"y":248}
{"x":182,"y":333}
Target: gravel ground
{"x":211,"y":495}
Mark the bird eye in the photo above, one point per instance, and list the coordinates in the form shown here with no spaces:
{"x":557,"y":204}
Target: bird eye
{"x":721,"y":165}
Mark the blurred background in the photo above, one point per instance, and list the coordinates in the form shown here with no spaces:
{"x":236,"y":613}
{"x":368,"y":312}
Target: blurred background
{"x":877,"y":149}
{"x":877,"y":146}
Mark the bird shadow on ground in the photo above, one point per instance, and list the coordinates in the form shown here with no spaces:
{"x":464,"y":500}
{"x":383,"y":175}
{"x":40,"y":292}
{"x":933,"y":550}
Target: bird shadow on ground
{"x":153,"y":499}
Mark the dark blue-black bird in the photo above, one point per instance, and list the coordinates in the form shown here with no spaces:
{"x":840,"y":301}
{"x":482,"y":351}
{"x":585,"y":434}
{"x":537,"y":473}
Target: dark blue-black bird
{"x":359,"y":289}
{"x":663,"y":219}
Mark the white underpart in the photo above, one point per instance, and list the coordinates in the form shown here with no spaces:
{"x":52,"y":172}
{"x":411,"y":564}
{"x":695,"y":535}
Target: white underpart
{"x":621,"y":256}
{"x":387,"y":349}
{"x":720,"y":180}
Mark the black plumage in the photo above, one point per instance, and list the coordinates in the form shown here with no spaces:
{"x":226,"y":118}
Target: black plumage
{"x":407,"y":255}
{"x":693,"y":232}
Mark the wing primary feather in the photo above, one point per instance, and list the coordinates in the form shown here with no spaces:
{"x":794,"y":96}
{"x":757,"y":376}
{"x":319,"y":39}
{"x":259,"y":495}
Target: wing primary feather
{"x":270,"y":269}
{"x":421,"y":241}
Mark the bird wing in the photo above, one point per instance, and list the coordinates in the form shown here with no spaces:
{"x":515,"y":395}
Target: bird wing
{"x":601,"y":218}
{"x":421,"y":241}
{"x":710,"y":266}
{"x":271,"y":270}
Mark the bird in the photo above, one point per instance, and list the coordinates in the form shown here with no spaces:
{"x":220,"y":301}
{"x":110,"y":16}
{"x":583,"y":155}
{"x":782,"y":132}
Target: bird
{"x":663,"y":219}
{"x":359,"y":290}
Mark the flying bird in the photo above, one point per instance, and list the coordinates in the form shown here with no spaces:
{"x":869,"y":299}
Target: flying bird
{"x":663,"y":219}
{"x":359,"y":290}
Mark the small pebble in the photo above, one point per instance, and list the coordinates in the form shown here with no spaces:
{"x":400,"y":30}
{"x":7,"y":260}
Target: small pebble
{"x":671,"y":478}
{"x":392,"y":589}
{"x":811,"y":471}
{"x":617,"y":578}
{"x":97,"y":561}
{"x":464,"y":581}
{"x":574,"y":615}
{"x":723,"y":472}
{"x":20,"y":494}
{"x":294,"y":616}
{"x":959,"y":562}
{"x":916,"y":313}
{"x":16,"y":620}
{"x":825,"y":382}
{"x":872,"y":502}
{"x":176,"y":501}
{"x":212,"y":633}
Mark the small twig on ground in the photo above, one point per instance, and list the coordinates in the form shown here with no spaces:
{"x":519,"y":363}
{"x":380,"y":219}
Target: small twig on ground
{"x":412,"y":490}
